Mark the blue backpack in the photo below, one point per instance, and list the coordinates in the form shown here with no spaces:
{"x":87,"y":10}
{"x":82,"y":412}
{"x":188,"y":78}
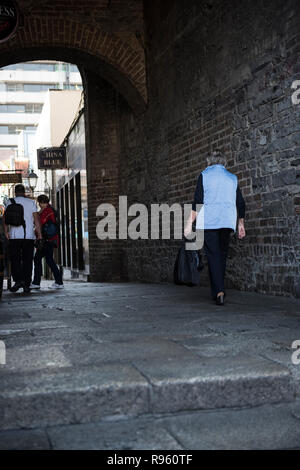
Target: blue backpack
{"x":50,"y":229}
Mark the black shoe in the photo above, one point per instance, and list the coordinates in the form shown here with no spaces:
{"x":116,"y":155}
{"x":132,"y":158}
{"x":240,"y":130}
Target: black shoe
{"x":220,"y":299}
{"x":214,"y":297}
{"x":26,"y":290}
{"x":16,"y":287}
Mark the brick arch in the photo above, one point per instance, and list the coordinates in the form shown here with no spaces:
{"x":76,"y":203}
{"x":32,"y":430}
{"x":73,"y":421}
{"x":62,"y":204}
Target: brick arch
{"x":87,"y":45}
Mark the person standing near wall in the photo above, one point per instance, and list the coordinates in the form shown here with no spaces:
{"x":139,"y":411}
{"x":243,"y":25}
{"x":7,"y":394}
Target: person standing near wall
{"x":219,"y":191}
{"x":46,"y":248}
{"x":21,"y":238}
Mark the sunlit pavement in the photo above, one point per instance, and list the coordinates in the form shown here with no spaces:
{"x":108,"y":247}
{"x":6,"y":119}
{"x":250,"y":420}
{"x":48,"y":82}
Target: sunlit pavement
{"x":148,"y":366}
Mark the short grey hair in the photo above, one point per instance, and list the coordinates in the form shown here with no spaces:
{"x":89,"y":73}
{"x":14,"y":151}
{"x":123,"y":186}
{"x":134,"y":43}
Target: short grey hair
{"x":216,"y":158}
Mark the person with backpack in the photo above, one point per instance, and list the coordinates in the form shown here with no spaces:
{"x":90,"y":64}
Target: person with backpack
{"x":45,"y":248}
{"x":20,"y":221}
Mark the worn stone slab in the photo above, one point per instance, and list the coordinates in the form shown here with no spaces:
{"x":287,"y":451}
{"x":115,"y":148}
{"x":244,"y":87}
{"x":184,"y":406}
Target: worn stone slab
{"x":34,"y":358}
{"x":267,"y":427}
{"x":213,"y":346}
{"x":238,"y":326}
{"x":24,"y":440}
{"x":284,"y":335}
{"x":44,"y":338}
{"x":129,"y":434}
{"x":9,"y":329}
{"x":13,"y":316}
{"x":71,"y":396}
{"x":283,"y":355}
{"x":207,"y":383}
{"x":296,"y":410}
{"x":191,"y":354}
{"x":123,"y":351}
{"x":159,"y":327}
{"x":232,"y":345}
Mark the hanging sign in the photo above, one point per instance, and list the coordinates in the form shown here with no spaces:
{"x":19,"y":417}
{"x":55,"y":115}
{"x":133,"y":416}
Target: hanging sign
{"x":52,"y":158}
{"x":9,"y":19}
{"x":10,"y":178}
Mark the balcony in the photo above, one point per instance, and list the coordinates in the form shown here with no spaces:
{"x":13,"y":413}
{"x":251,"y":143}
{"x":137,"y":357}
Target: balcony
{"x":8,"y":140}
{"x":21,"y":76}
{"x":20,"y":97}
{"x":26,"y":119}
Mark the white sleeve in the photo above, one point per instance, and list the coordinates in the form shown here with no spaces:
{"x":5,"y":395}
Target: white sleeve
{"x":34,"y":207}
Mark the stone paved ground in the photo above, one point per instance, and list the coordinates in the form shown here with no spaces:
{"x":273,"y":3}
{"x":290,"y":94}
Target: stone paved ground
{"x":148,"y":366}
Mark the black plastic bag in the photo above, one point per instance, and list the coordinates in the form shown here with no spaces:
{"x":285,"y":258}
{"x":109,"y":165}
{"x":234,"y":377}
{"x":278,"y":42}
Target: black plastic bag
{"x":188,"y":266}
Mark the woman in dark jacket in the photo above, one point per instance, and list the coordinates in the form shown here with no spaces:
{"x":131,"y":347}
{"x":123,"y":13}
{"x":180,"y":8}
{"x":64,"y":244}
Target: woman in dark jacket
{"x":218,"y":190}
{"x":47,"y":214}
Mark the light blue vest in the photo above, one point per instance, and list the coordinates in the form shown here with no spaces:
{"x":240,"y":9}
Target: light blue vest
{"x":219,"y":188}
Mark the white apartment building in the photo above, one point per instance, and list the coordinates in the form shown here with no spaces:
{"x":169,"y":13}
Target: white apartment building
{"x":60,"y":109}
{"x":23,"y":90}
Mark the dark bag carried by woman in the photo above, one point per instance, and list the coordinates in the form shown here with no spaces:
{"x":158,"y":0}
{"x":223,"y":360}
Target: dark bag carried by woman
{"x":49,"y":230}
{"x":188,"y":266}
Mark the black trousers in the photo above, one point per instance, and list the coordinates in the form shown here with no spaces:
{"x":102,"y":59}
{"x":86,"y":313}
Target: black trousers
{"x":46,"y":251}
{"x":216,"y":243}
{"x":21,"y":256}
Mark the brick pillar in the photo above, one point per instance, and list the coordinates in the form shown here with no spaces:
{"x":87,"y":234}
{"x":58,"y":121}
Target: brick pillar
{"x":103,"y":152}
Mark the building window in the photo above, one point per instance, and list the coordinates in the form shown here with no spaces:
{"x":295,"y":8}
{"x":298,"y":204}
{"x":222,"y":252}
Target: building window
{"x":15,"y":129}
{"x":12,"y":108}
{"x":33,"y":108}
{"x":35,"y":87}
{"x":21,"y":108}
{"x":31,"y":67}
{"x":14,"y":87}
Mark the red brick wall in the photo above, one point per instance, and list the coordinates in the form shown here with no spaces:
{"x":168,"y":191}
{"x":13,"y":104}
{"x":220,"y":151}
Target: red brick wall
{"x":221,"y":76}
{"x":111,"y":32}
{"x":103,"y":154}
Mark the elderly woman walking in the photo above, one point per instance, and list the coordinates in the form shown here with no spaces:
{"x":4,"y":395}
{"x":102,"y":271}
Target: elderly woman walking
{"x":219,"y":191}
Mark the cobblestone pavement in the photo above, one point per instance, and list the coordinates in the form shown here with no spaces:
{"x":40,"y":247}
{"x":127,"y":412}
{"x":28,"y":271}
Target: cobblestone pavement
{"x":148,"y":366}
